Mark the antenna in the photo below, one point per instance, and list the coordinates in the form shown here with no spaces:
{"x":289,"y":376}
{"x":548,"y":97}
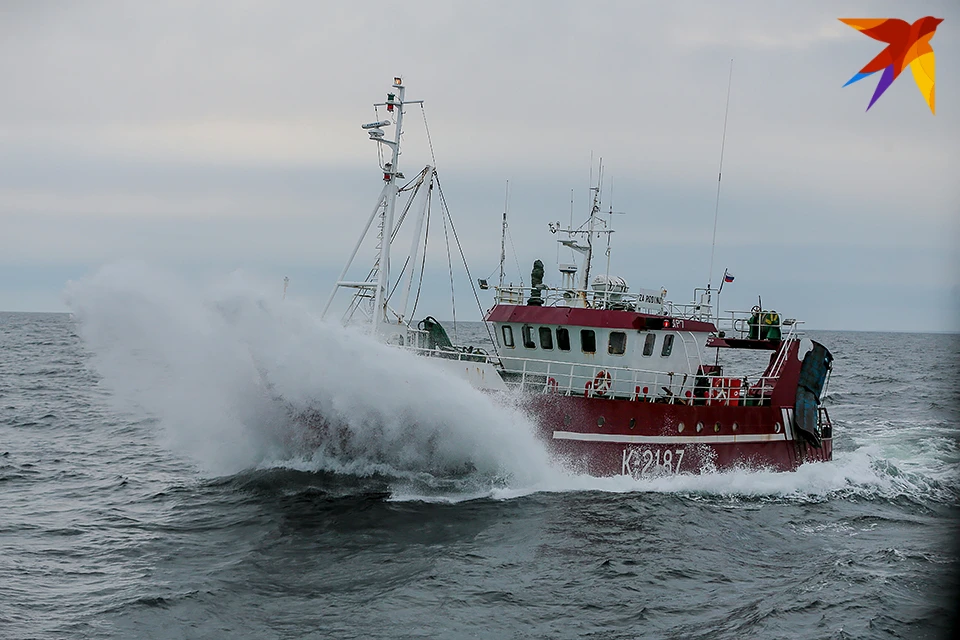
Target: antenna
{"x":594,"y":210}
{"x":590,"y":186}
{"x":609,"y":226}
{"x":716,"y":208}
{"x":503,"y":232}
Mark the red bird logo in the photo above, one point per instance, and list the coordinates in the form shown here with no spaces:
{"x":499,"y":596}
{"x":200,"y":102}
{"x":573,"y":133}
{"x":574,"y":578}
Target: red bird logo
{"x":907,"y":44}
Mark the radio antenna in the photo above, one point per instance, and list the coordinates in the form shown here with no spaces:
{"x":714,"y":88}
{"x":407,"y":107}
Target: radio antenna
{"x":716,"y":208}
{"x":503,"y":231}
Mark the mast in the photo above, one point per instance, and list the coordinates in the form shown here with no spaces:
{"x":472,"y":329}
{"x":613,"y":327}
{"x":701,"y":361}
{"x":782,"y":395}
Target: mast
{"x":374,"y":290}
{"x":390,"y":171}
{"x":586,"y":250}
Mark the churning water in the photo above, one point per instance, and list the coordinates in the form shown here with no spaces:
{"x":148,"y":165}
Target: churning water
{"x":155,"y":481}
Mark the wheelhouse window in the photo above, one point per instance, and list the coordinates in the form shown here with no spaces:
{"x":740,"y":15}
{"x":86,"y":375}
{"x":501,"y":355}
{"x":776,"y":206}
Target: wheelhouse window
{"x":617,"y":343}
{"x":588,"y":341}
{"x":667,"y":345}
{"x":507,"y":332}
{"x":527,"y":335}
{"x":546,"y":338}
{"x":563,"y":339}
{"x":649,"y":343}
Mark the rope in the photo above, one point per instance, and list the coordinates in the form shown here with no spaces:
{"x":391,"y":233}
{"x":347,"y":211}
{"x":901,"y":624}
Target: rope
{"x":716,"y":208}
{"x":453,"y":299}
{"x":515,"y":259}
{"x":423,"y":112}
{"x":446,"y":211}
{"x":396,"y":229}
{"x":423,"y":262}
{"x":463,"y":257}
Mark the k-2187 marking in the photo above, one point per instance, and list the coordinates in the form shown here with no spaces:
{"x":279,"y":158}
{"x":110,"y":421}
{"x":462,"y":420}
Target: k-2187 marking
{"x":643,"y":461}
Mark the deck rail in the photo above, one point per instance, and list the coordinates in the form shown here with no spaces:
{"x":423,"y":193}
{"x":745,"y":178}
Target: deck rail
{"x":753,"y":324}
{"x":532,"y":375}
{"x":643,"y":301}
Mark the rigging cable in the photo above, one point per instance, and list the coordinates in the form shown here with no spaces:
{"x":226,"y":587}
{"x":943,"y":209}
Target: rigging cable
{"x":403,"y":215}
{"x":453,"y":299}
{"x":716,"y":209}
{"x":429,"y":139}
{"x":446,"y":210}
{"x":423,"y":262}
{"x":473,"y":286}
{"x":515,"y":259}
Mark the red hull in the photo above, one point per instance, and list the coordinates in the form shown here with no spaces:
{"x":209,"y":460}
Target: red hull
{"x":611,"y":437}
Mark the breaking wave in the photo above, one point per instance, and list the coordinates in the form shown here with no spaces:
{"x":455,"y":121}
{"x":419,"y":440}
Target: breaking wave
{"x":239,"y":380}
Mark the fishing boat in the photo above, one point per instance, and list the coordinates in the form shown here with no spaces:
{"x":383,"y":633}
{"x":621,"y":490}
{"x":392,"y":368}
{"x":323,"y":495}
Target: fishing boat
{"x":620,"y":380}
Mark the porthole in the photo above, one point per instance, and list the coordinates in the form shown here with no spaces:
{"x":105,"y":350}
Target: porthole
{"x":716,"y":427}
{"x":734,"y":426}
{"x":680,"y":428}
{"x":699,"y":427}
{"x":600,"y":421}
{"x":776,"y":428}
{"x":633,"y":422}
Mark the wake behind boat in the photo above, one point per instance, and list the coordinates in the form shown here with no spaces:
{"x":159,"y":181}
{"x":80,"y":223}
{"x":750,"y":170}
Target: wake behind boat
{"x":620,"y":381}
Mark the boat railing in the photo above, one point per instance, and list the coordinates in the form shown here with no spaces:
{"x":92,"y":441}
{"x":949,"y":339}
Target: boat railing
{"x":824,"y":423}
{"x":639,"y":301}
{"x":690,"y":311}
{"x":462,"y":353}
{"x":758,"y":325}
{"x":643,"y":385}
{"x":532,"y":375}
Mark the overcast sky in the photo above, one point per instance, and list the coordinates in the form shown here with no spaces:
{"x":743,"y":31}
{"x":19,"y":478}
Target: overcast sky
{"x":208,"y":137}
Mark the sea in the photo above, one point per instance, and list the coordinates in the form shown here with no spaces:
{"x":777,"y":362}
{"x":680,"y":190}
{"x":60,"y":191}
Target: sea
{"x":158,"y":480}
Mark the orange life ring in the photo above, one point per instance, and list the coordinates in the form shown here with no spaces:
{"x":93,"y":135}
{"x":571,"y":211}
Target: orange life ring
{"x":601,"y":383}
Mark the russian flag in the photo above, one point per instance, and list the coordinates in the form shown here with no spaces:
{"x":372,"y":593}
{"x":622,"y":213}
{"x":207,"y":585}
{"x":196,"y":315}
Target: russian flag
{"x":727,"y":276}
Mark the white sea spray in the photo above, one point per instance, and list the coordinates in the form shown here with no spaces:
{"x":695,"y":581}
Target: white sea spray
{"x":228,"y":369}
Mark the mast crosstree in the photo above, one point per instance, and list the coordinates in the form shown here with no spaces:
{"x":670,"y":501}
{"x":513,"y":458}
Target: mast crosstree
{"x":373,"y":295}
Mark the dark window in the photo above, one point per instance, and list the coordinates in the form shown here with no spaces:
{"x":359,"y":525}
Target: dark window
{"x":527,"y":332}
{"x":507,"y":331}
{"x":563,"y":339}
{"x":649,"y":343}
{"x":546,"y":338}
{"x":588,"y":341}
{"x":617,"y":344}
{"x":667,"y":345}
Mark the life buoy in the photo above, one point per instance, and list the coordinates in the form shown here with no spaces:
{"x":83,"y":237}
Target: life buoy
{"x":601,"y":383}
{"x":552,"y":385}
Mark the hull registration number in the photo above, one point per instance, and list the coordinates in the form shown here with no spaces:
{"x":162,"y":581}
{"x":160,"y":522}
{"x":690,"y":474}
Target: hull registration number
{"x":651,"y":461}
